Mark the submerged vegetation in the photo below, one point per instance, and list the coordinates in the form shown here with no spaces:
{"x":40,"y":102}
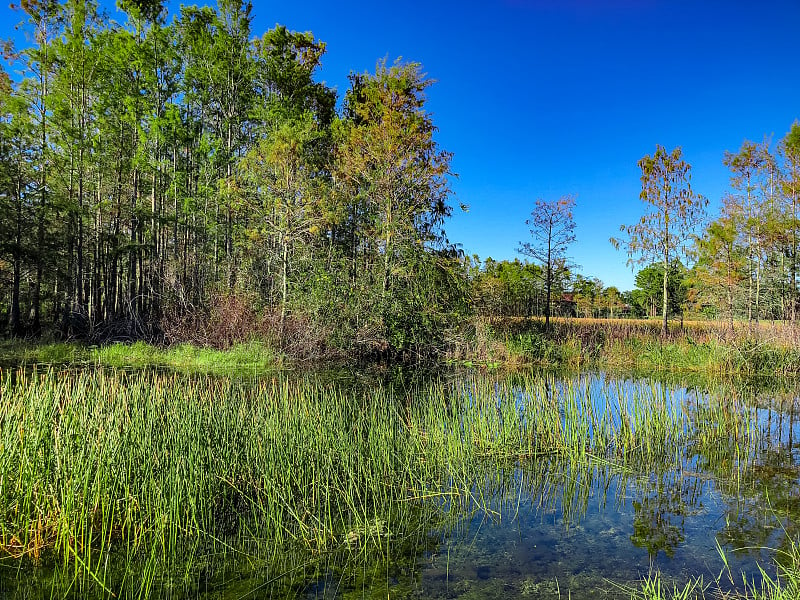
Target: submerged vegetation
{"x":102,"y":466}
{"x":186,"y":210}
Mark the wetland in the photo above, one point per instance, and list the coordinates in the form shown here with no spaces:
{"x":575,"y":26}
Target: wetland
{"x":151,"y":483}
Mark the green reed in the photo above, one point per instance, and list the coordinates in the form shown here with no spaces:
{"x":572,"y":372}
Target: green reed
{"x":149,"y":464}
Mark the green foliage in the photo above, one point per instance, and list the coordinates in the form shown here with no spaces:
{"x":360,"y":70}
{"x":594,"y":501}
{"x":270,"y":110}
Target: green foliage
{"x":146,"y":166}
{"x":150,"y":10}
{"x":588,"y":295}
{"x":648,"y":295}
{"x":508,"y":288}
{"x":538,"y":349}
{"x":432,"y":302}
{"x":286,"y":62}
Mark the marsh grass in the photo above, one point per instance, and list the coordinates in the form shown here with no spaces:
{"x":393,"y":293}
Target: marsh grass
{"x":146,"y":465}
{"x":705,"y":346}
{"x":785,"y":585}
{"x":655,"y":588}
{"x":250,"y":357}
{"x":18,"y":352}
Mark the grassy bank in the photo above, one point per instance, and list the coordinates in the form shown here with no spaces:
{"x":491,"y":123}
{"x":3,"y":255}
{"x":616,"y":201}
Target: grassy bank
{"x":102,"y":463}
{"x":639,"y":346}
{"x":618,"y":345}
{"x":249,"y":357}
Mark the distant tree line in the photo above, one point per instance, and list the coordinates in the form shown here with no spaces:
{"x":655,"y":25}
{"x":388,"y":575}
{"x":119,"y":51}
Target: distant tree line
{"x":149,"y":170}
{"x":744,"y":263}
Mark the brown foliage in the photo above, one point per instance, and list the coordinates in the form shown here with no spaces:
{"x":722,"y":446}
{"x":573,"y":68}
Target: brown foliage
{"x":592,"y":331}
{"x":230,"y":318}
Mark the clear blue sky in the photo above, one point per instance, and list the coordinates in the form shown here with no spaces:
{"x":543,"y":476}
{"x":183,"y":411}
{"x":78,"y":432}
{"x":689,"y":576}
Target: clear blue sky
{"x":539,"y":98}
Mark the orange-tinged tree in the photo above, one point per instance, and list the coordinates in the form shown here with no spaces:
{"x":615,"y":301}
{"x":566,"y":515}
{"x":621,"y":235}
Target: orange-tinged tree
{"x":393,"y":179}
{"x":673,"y":213}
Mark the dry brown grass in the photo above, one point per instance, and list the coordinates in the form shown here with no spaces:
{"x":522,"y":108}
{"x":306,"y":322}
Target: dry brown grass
{"x":637,"y":344}
{"x":776,"y":333}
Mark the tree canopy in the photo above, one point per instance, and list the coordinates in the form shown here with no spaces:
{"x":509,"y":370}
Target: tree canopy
{"x":152,"y":169}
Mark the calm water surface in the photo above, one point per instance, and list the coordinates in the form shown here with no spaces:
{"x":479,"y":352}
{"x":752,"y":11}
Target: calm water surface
{"x":548,"y":529}
{"x":588,"y":531}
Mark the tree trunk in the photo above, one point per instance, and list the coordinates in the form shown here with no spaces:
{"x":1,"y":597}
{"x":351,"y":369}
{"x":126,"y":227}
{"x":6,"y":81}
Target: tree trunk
{"x":793,"y":294}
{"x":664,"y":324}
{"x":730,"y":294}
{"x":549,"y":278}
{"x":15,"y":320}
{"x":284,"y":284}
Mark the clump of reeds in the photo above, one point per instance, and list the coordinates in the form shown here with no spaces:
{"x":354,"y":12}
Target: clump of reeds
{"x":653,"y":587}
{"x":102,"y":461}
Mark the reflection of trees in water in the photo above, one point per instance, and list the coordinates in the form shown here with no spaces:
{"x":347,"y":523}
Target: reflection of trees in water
{"x":661,"y":509}
{"x":743,"y":443}
{"x":751,"y":474}
{"x":547,"y":484}
{"x":757,"y":474}
{"x":739,"y":443}
{"x":739,"y":446}
{"x":764,"y":506}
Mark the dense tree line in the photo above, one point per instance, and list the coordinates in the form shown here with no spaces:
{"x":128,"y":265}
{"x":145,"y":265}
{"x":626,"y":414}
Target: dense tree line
{"x":154,"y":174}
{"x":747,"y":258}
{"x":150,"y":169}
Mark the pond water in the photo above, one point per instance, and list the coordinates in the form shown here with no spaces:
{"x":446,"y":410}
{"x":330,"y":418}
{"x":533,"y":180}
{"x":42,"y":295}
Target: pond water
{"x":543,"y":527}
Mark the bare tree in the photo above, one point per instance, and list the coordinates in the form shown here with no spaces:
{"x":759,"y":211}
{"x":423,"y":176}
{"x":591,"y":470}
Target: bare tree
{"x":552,"y":228}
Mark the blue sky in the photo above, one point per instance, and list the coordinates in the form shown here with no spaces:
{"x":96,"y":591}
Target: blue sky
{"x":539,"y":98}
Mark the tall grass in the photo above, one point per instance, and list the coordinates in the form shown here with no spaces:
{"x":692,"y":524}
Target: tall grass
{"x":654,"y":588}
{"x":629,"y":344}
{"x":150,"y":464}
